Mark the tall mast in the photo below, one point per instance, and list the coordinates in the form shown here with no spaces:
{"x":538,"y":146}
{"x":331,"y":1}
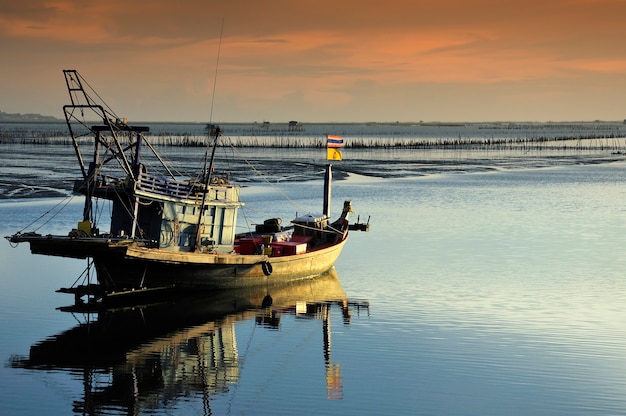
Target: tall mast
{"x":207,"y":181}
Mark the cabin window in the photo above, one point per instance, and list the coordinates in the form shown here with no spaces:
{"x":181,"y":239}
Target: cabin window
{"x":187,"y":236}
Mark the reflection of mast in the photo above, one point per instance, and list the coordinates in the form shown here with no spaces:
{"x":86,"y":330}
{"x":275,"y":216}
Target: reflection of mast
{"x":202,"y":359}
{"x":334,"y":382}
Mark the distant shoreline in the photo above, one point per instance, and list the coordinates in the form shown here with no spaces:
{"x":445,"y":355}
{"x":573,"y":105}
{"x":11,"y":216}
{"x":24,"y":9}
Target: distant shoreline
{"x":34,"y":118}
{"x":26,"y":118}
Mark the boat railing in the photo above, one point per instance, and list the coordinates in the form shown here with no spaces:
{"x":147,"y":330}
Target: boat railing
{"x":166,"y":187}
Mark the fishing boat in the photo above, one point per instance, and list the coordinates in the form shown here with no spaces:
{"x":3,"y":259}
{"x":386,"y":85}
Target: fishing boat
{"x":173,"y":232}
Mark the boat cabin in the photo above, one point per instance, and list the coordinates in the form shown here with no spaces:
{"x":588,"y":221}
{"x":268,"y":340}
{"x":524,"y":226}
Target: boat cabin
{"x":163,"y":211}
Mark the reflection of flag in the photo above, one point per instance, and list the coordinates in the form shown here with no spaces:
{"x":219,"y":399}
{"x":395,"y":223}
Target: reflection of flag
{"x":333,"y":154}
{"x":334,"y":141}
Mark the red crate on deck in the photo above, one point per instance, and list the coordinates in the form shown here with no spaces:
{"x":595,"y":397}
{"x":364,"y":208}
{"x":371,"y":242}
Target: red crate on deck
{"x":288,"y":248}
{"x":249,"y":245}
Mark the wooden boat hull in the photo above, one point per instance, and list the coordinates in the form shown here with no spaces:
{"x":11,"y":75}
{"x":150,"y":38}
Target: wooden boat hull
{"x":141,"y":267}
{"x":123,"y":264}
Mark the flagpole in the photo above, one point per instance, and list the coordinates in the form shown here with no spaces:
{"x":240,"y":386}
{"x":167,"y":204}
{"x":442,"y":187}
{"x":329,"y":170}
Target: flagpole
{"x":333,"y":143}
{"x":328,"y":177}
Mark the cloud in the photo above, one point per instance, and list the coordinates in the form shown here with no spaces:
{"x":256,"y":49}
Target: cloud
{"x":310,"y":53}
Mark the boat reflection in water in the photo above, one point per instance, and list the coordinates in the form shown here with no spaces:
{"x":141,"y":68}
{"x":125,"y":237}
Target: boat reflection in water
{"x":151,"y":355}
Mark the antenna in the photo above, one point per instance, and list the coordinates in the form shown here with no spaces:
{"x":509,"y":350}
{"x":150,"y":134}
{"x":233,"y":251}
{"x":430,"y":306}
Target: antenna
{"x":217,"y":61}
{"x":210,"y":125}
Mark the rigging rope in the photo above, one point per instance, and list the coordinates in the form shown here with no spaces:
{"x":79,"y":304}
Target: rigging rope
{"x":67,"y":198}
{"x":294,"y":203}
{"x":109,"y":109}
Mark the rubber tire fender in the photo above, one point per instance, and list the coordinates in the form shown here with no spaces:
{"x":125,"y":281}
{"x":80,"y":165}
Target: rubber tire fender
{"x":267,"y":268}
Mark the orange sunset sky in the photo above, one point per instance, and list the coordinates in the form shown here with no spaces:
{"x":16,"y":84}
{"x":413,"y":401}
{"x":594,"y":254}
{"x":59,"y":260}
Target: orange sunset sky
{"x":321,"y":61}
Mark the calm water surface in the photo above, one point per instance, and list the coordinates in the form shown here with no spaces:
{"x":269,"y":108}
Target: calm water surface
{"x":497,"y":292}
